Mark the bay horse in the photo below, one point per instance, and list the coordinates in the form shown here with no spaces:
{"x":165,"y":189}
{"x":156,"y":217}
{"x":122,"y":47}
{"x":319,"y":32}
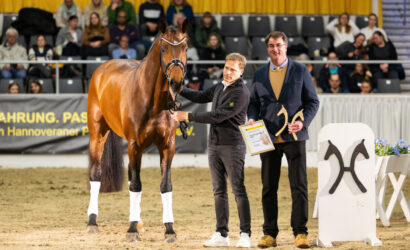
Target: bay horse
{"x":134,"y":101}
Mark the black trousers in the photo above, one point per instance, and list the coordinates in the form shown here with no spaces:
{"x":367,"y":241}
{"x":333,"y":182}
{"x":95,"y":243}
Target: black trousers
{"x":295,"y":153}
{"x":228,"y":161}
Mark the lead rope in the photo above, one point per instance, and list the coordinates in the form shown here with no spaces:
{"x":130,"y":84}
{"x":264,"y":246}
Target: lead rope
{"x":174,"y":105}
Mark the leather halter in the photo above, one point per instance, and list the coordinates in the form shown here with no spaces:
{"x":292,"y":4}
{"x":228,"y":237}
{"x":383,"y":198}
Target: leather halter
{"x":174,"y":62}
{"x":174,"y":105}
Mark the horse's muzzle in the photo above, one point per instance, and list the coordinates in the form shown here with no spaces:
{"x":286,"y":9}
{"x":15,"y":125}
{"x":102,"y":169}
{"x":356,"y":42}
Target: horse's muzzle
{"x":177,"y":86}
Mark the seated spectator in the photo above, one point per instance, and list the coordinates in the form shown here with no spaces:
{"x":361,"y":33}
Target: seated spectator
{"x":381,"y":49}
{"x":176,"y":7}
{"x":121,"y":5}
{"x":371,"y":28}
{"x":207,"y":27}
{"x":99,"y":7}
{"x":179,"y":19}
{"x":68,"y":39}
{"x":353,"y":50}
{"x":305,"y":57}
{"x":67,"y":9}
{"x":123,"y":28}
{"x":331,"y":68}
{"x":14,"y":88}
{"x":35,"y":87}
{"x":12,"y":51}
{"x":95,"y":38}
{"x":361,"y":73}
{"x":40,"y":52}
{"x":150,"y":13}
{"x":342,"y":29}
{"x":214,"y":51}
{"x":334,"y":83}
{"x":124,"y":52}
{"x":194,"y":82}
{"x":366,"y":87}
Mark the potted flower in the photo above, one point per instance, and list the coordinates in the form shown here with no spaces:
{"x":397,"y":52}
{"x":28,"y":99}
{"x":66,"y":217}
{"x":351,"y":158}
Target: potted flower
{"x":395,"y":155}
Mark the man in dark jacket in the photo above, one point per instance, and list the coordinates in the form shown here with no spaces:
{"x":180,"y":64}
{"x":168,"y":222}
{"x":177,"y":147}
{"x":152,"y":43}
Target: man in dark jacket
{"x":226,"y":149}
{"x":283,"y":84}
{"x":150,"y":13}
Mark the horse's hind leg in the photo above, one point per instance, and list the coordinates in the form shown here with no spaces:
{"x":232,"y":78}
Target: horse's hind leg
{"x":135,"y":190}
{"x":98,"y":135}
{"x":166,"y":155}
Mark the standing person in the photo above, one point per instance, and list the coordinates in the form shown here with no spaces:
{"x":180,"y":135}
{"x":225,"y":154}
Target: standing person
{"x":10,"y":50}
{"x":99,"y":7}
{"x":226,"y":149}
{"x":371,"y":28}
{"x":150,"y":13}
{"x":118,"y":5}
{"x":67,"y":9}
{"x":283,"y":83}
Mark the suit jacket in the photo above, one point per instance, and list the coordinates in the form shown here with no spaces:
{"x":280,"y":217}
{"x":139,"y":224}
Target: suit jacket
{"x":297,"y":93}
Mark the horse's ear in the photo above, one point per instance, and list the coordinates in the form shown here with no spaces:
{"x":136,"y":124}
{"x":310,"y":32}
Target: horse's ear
{"x":163,"y":26}
{"x":184,"y":27}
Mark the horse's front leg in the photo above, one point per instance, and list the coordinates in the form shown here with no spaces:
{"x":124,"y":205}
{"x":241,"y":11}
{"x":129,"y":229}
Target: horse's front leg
{"x":167,"y":154}
{"x":135,"y":191}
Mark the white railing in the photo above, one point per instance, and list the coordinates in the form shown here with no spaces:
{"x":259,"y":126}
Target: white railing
{"x":251,"y":62}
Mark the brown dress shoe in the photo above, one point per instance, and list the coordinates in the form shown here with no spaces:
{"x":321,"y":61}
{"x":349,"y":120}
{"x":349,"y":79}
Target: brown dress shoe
{"x":267,"y":241}
{"x":301,"y":241}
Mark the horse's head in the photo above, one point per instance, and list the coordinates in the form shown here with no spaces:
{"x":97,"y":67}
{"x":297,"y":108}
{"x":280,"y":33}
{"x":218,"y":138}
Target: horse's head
{"x":173,"y":46}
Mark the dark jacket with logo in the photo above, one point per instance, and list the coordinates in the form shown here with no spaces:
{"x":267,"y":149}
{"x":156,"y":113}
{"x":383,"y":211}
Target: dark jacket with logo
{"x":297,"y":93}
{"x":228,"y":111}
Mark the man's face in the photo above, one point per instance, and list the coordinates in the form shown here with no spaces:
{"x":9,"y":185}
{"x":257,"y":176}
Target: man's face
{"x":277,"y":49}
{"x":11,"y":39}
{"x":121,"y":17}
{"x":334,"y":81}
{"x":207,"y":21}
{"x":73,"y":23}
{"x":232,"y":71}
{"x":372,"y":21}
{"x":68,"y":3}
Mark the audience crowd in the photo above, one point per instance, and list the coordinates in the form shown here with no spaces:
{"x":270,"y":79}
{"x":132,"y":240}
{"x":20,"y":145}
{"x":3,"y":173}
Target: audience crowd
{"x":112,"y":32}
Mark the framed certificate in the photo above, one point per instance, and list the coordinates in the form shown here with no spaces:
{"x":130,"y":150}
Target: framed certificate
{"x":256,"y":137}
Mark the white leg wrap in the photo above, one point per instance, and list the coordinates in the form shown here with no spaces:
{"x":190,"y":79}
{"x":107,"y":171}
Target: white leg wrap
{"x":94,"y":191}
{"x":135,"y":206}
{"x":167,"y":216}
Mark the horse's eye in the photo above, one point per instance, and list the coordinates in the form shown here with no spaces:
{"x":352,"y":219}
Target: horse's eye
{"x":162,"y":50}
{"x":186,"y":49}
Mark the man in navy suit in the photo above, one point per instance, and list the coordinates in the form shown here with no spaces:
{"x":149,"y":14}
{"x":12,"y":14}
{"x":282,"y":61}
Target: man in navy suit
{"x":283,"y":83}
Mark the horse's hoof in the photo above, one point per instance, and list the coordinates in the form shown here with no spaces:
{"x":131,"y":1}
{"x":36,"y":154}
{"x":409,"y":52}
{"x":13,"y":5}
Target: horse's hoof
{"x":92,"y":229}
{"x":133,"y":237}
{"x":170,"y":238}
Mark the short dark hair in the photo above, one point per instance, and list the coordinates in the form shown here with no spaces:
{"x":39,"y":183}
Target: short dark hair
{"x":372,"y":14}
{"x":380,"y":34}
{"x":72,"y":17}
{"x":274,"y":35}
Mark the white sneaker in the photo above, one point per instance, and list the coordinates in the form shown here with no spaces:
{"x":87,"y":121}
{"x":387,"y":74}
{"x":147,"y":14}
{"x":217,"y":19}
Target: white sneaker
{"x":244,"y":240}
{"x":217,"y":241}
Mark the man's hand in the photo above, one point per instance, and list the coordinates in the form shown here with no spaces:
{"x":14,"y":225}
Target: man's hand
{"x":295,"y":127}
{"x":251,"y":121}
{"x":180,"y":116}
{"x":152,"y":26}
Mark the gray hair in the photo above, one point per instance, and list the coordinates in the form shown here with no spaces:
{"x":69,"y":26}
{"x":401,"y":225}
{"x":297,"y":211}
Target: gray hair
{"x":12,"y":31}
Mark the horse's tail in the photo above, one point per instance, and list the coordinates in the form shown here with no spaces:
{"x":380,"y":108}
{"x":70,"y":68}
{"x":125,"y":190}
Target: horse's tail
{"x":112,"y":164}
